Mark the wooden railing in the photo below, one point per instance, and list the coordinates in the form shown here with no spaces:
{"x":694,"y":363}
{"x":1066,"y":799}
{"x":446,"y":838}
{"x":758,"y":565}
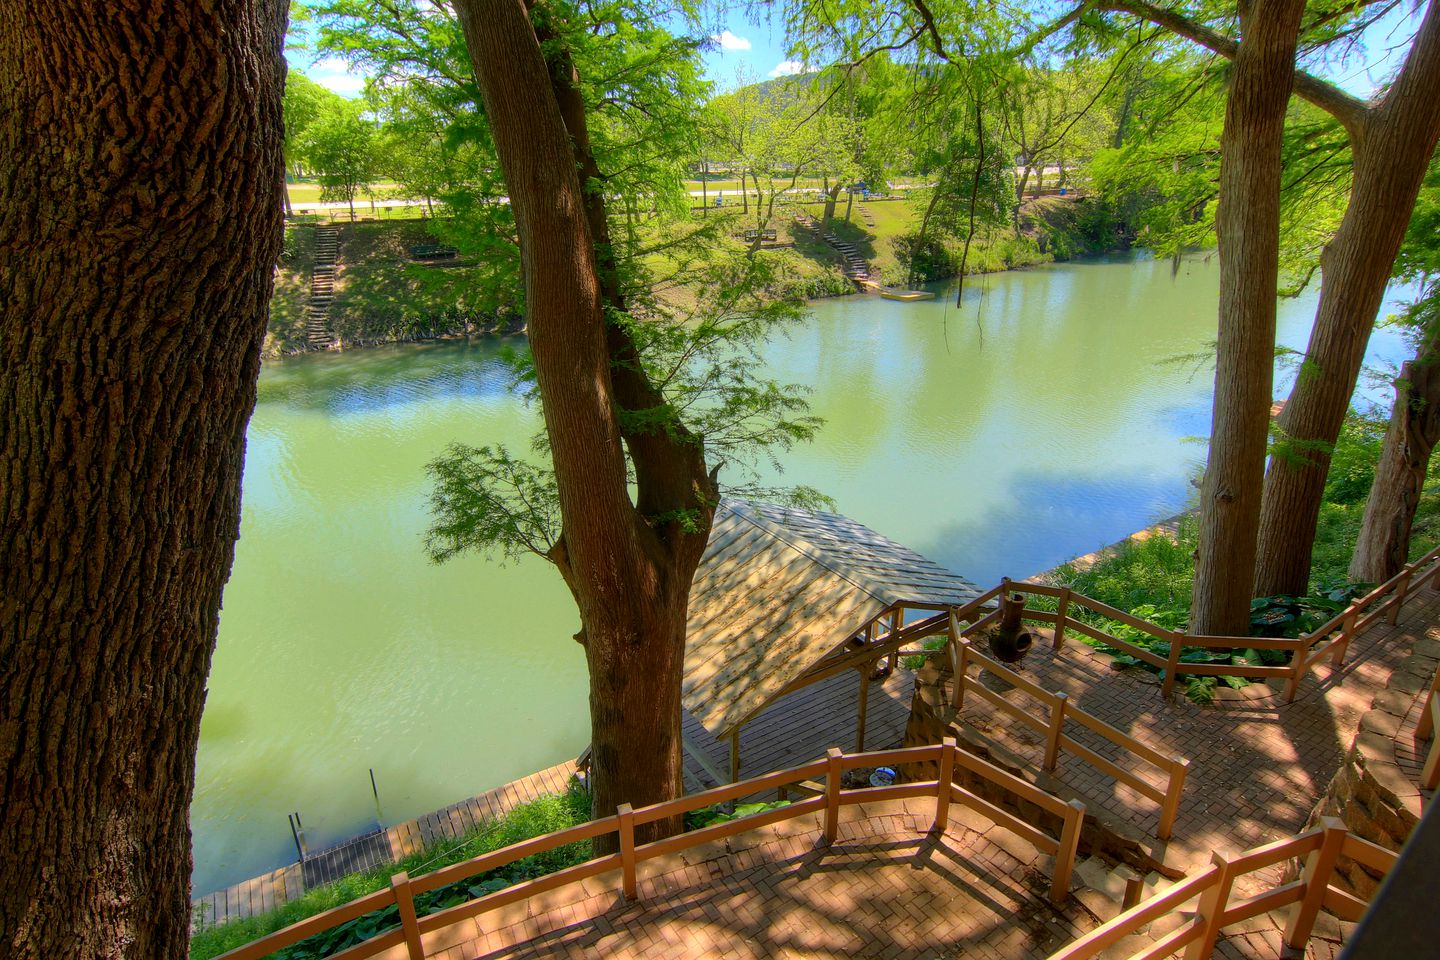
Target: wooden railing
{"x":1425,"y":729}
{"x":1057,"y":712}
{"x":1329,"y":641}
{"x":403,"y":888}
{"x":1215,"y":910}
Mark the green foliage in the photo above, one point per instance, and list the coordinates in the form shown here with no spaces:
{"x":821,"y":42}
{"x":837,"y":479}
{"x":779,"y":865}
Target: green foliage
{"x":533,"y":819}
{"x":718,"y":813}
{"x":1152,"y":578}
{"x":339,"y":145}
{"x":482,"y":496}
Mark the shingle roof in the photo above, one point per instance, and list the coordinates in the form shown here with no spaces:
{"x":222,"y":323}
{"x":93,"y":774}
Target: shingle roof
{"x":778,"y":589}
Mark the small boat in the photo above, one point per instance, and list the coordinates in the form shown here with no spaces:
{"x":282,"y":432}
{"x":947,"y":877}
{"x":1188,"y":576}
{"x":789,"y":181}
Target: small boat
{"x":907,"y":295}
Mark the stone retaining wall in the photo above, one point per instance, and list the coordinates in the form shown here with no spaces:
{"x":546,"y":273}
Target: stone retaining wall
{"x":1376,"y":791}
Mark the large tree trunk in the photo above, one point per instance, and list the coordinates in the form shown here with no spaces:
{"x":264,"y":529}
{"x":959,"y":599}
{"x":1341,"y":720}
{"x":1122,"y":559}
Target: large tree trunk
{"x":1392,"y":149}
{"x":628,"y":566}
{"x":139,"y":227}
{"x":1383,"y":546}
{"x":1248,"y":228}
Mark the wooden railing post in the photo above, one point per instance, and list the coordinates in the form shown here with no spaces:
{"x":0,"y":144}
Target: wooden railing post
{"x":400,"y":884}
{"x":1319,"y":868}
{"x":1179,"y":767}
{"x":1342,"y":642}
{"x":1057,"y":727}
{"x":833,"y":774}
{"x":1430,"y":716}
{"x":960,"y":668}
{"x":1061,"y":618}
{"x":1172,"y":663}
{"x":1398,"y":601}
{"x":1211,"y":909}
{"x":1068,"y":850}
{"x":1425,"y":726}
{"x":626,"y":813}
{"x":946,"y":778}
{"x":1298,"y":655}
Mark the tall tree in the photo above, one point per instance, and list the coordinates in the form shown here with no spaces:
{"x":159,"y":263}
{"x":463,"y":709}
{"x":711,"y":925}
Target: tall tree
{"x":140,"y":219}
{"x":612,"y":414}
{"x":1391,"y":141}
{"x":340,"y":145}
{"x":1383,"y":545}
{"x":1247,"y":224}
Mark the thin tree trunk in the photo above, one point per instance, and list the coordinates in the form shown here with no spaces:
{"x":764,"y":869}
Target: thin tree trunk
{"x":924,"y":228}
{"x":140,"y":161}
{"x":285,"y":191}
{"x":1248,"y":227}
{"x":704,"y":188}
{"x":832,"y":196}
{"x":974,"y":199}
{"x":628,"y":565}
{"x":1383,"y":546}
{"x":1392,"y":148}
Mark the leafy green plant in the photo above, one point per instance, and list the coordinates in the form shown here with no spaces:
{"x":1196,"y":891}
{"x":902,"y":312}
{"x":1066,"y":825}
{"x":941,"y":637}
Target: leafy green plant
{"x":711,"y":815}
{"x":533,"y":819}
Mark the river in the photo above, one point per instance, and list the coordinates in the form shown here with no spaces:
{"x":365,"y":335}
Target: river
{"x":1058,"y":410}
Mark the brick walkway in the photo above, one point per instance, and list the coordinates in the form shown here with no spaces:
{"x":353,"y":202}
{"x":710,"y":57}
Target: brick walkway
{"x":887,"y":889}
{"x":1258,"y":766}
{"x":797,"y":729}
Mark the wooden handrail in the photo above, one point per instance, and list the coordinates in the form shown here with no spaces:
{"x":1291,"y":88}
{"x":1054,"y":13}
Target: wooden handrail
{"x":1430,"y":773}
{"x":403,"y":888}
{"x":1052,"y":725}
{"x":1306,"y":651}
{"x":1320,"y":847}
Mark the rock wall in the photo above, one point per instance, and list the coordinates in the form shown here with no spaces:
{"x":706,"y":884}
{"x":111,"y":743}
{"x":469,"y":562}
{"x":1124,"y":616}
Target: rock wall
{"x":1376,"y":791}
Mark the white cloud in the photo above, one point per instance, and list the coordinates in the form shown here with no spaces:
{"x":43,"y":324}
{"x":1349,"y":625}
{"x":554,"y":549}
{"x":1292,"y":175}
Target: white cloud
{"x":728,"y":41}
{"x":787,"y":68}
{"x":334,"y":73}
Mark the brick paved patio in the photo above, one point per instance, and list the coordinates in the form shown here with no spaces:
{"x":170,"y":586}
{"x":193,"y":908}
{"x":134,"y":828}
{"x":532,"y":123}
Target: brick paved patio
{"x":1258,"y":766}
{"x":887,"y":889}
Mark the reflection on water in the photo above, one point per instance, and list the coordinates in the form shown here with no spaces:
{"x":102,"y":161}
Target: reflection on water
{"x":1045,"y":417}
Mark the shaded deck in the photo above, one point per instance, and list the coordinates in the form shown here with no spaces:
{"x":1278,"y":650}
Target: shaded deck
{"x":794,"y":730}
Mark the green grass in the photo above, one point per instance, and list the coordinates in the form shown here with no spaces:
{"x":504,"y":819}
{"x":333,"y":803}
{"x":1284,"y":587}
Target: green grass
{"x":1152,"y":578}
{"x":546,"y":815}
{"x":303,"y":193}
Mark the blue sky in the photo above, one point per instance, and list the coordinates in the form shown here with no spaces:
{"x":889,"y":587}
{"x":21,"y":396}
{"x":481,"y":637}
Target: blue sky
{"x":756,"y":51}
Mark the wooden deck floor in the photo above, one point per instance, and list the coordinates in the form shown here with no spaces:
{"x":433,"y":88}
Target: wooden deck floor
{"x":797,"y":729}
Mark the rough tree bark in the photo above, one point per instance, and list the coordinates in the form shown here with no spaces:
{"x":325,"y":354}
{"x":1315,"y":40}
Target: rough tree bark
{"x":1391,"y":143}
{"x":1391,"y":147}
{"x":1247,"y":223}
{"x":139,"y":226}
{"x":628,"y":565}
{"x":1383,"y":546}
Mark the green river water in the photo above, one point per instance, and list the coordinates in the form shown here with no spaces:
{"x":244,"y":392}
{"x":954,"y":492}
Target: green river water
{"x":1048,"y":417}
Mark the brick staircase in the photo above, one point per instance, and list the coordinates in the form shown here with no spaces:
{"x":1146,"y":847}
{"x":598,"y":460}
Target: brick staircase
{"x":322,"y":290}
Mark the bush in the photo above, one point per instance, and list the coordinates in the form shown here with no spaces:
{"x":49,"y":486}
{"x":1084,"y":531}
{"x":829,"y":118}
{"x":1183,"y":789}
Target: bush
{"x":533,"y":819}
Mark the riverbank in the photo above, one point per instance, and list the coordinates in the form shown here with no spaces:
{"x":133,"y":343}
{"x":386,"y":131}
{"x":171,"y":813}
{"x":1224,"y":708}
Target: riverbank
{"x":385,"y":294}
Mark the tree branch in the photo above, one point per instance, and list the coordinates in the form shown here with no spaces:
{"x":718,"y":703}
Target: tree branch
{"x":1352,"y":112}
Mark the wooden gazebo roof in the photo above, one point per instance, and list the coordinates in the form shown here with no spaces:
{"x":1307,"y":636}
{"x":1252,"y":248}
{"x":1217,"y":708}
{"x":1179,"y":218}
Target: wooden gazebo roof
{"x":778,"y":590}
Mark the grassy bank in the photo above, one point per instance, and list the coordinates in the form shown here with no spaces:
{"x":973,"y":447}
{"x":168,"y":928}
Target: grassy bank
{"x":1152,"y":578}
{"x":383,"y":295}
{"x":546,"y":815}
